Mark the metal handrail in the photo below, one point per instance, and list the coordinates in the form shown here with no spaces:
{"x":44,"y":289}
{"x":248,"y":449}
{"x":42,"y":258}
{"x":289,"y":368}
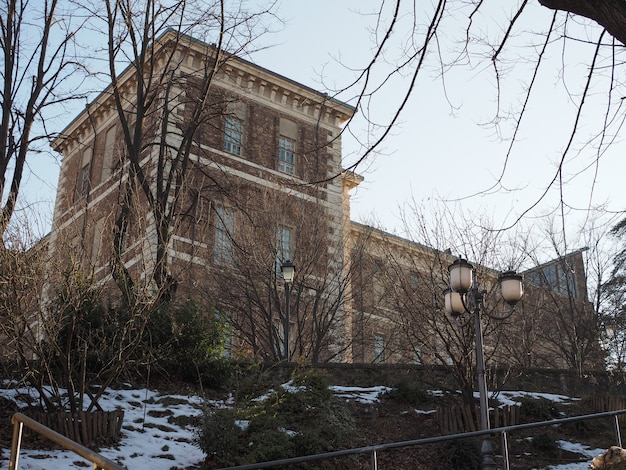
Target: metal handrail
{"x":503,"y":431}
{"x":18,"y":420}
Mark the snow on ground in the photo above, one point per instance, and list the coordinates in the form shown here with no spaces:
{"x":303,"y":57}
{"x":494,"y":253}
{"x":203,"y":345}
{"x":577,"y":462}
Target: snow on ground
{"x":507,"y":397}
{"x":580,"y":449}
{"x":360,"y":394}
{"x":151,"y":437}
{"x":154,"y":438}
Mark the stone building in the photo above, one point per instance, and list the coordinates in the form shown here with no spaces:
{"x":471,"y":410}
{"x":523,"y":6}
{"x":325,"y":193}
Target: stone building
{"x":398,"y":316}
{"x":203,"y":185}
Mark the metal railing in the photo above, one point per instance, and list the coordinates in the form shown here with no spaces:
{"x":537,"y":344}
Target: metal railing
{"x":18,"y":420}
{"x":502,"y":431}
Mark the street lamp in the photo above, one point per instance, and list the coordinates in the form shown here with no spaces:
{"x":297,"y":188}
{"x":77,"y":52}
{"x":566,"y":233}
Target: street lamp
{"x":463,"y":296}
{"x":288,"y":269}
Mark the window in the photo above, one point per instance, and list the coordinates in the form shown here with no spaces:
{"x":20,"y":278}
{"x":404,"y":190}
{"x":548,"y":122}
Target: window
{"x":223,"y":251}
{"x":558,"y":277}
{"x":233,"y":135}
{"x":550,"y":273}
{"x":84,"y":175}
{"x":107,"y":154}
{"x":284,"y":237}
{"x":223,"y":324}
{"x":379,"y":349}
{"x":96,"y":241}
{"x":233,"y":127}
{"x":417,"y":355}
{"x":381,"y":299}
{"x":286,"y":158}
{"x":283,"y":243}
{"x":279,"y":338}
{"x":287,"y":146}
{"x":566,"y":283}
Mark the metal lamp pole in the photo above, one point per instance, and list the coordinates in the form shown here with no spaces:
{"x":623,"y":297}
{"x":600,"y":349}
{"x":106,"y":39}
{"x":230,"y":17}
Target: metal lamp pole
{"x":486,"y":449}
{"x":464,"y":297}
{"x":288,"y":269}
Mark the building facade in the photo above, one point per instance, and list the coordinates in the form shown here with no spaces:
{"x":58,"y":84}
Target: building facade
{"x":203,"y":185}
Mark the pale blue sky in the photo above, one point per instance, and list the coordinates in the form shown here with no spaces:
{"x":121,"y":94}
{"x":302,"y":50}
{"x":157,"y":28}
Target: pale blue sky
{"x":438,"y":151}
{"x":442,"y":148}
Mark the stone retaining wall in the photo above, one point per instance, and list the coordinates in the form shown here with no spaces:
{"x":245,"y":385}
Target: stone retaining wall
{"x":538,"y":380}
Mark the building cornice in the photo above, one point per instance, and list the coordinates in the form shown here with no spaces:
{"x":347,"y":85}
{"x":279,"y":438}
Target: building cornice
{"x":235,"y":73}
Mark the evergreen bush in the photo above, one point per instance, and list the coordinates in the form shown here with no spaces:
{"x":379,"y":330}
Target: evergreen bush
{"x":408,"y":392}
{"x":460,"y":454}
{"x":300,"y":418}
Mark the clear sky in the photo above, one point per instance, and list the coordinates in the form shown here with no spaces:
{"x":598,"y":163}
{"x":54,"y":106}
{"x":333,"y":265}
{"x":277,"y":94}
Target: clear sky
{"x":446,"y":146}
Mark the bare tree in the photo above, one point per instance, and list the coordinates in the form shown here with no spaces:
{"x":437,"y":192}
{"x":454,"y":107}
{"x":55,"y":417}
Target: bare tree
{"x":256,"y":240}
{"x":611,"y":299}
{"x":510,"y":45}
{"x":38,"y":76}
{"x":554,"y":326}
{"x":54,"y":337}
{"x":160,"y":101}
{"x":565,"y":326}
{"x":22,"y":263}
{"x":161,"y":107}
{"x":417,"y":277}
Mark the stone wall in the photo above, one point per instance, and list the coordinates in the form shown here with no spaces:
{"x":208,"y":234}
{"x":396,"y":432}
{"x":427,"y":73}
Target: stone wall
{"x":555,"y":381}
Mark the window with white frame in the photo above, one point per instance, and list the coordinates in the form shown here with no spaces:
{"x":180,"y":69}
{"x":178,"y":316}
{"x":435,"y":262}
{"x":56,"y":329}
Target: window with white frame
{"x":284,"y":239}
{"x":234,"y":124}
{"x":233,"y":135}
{"x":417,"y":355}
{"x":96,"y":241}
{"x":287,"y":146}
{"x":223,"y":249}
{"x":223,"y":323}
{"x":108,"y":153}
{"x":379,"y":349}
{"x":286,"y":156}
{"x":285,"y":235}
{"x":83,"y":183}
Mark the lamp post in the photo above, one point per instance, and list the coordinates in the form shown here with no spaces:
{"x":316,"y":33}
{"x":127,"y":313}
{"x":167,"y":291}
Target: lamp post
{"x":465,"y":297}
{"x":288,"y":269}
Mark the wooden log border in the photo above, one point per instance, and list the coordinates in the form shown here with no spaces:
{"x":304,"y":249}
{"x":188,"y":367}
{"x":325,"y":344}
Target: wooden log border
{"x":460,"y":418}
{"x":84,"y":428}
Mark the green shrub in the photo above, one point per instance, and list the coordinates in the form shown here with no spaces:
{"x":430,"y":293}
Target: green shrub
{"x":314,"y":382}
{"x":538,"y":409}
{"x":219,"y":436}
{"x":301,"y":419}
{"x":460,"y":454}
{"x":546,"y":444}
{"x":250,"y":380}
{"x":190,"y":342}
{"x":408,"y":392}
{"x":601,"y":429}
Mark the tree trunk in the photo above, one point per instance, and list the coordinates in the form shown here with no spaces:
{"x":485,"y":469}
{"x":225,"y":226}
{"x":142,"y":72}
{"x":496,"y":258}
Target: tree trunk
{"x":610,"y":14}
